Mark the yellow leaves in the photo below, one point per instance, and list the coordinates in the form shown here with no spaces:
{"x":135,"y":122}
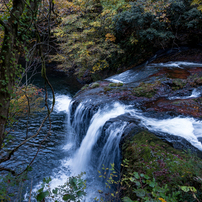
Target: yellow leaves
{"x":102,"y":64}
{"x":89,"y":43}
{"x":156,"y":7}
{"x":82,"y":35}
{"x":96,"y":24}
{"x":110,"y":37}
{"x":194,"y":2}
{"x":133,"y":40}
{"x":128,"y":6}
{"x":199,"y":3}
{"x":70,"y":19}
{"x":105,"y":12}
{"x":92,"y":30}
{"x":59,"y":33}
{"x":62,"y":6}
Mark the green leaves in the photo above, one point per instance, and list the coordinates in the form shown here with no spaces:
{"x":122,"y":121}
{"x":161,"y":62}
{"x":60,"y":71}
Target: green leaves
{"x":42,"y":195}
{"x":72,"y":190}
{"x":127,"y":199}
{"x":188,"y":188}
{"x":140,"y":192}
{"x":67,"y":197}
{"x":136,"y":175}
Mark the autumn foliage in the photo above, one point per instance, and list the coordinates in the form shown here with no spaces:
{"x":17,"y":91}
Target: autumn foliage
{"x":86,"y":36}
{"x":97,"y":34}
{"x":27,"y":99}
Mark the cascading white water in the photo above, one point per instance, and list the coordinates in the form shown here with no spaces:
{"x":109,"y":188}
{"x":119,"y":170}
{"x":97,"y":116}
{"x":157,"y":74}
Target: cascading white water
{"x":144,"y":71}
{"x":111,"y":150}
{"x":62,"y":103}
{"x":188,"y":128}
{"x":80,"y":160}
{"x":195,"y":93}
{"x":83,"y":155}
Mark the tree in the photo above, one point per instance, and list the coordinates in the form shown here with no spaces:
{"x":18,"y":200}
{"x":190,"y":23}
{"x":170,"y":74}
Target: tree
{"x":16,"y":20}
{"x":24,"y":31}
{"x":22,"y":35}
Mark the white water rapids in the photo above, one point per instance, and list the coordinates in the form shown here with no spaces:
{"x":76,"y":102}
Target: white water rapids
{"x":143,"y":71}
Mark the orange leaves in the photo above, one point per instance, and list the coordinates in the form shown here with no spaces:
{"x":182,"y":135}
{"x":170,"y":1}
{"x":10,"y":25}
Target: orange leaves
{"x":110,"y":37}
{"x":26,"y":97}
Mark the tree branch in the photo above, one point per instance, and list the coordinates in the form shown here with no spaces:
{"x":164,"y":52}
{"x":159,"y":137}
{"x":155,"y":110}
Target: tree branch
{"x":8,"y":169}
{"x":3,"y":24}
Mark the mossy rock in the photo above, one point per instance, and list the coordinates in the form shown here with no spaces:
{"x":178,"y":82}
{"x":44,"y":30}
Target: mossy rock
{"x":106,"y":88}
{"x":115,"y":84}
{"x":146,"y":89}
{"x":95,"y":85}
{"x":149,"y":155}
{"x":85,"y":87}
{"x":178,"y":84}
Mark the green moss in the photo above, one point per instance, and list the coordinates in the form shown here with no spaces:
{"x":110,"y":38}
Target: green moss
{"x":95,"y":85}
{"x":146,"y":89}
{"x":84,"y":87}
{"x":107,"y":88}
{"x":119,"y":84}
{"x":177,"y":102}
{"x":178,"y":84}
{"x":115,"y":84}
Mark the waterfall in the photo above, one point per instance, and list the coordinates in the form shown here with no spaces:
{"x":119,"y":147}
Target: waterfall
{"x":195,"y":93}
{"x":111,"y":150}
{"x":94,"y":145}
{"x":83,"y":155}
{"x":89,"y":144}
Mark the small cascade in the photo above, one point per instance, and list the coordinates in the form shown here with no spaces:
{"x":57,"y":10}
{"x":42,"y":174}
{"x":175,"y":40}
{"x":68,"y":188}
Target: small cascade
{"x":62,"y":103}
{"x":187,"y":128}
{"x":83,"y":155}
{"x":99,"y":145}
{"x":91,"y":143}
{"x":195,"y":93}
{"x":111,"y":151}
{"x":92,"y":135}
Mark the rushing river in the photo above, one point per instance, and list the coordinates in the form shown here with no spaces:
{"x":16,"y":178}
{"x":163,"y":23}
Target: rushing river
{"x":81,"y":142}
